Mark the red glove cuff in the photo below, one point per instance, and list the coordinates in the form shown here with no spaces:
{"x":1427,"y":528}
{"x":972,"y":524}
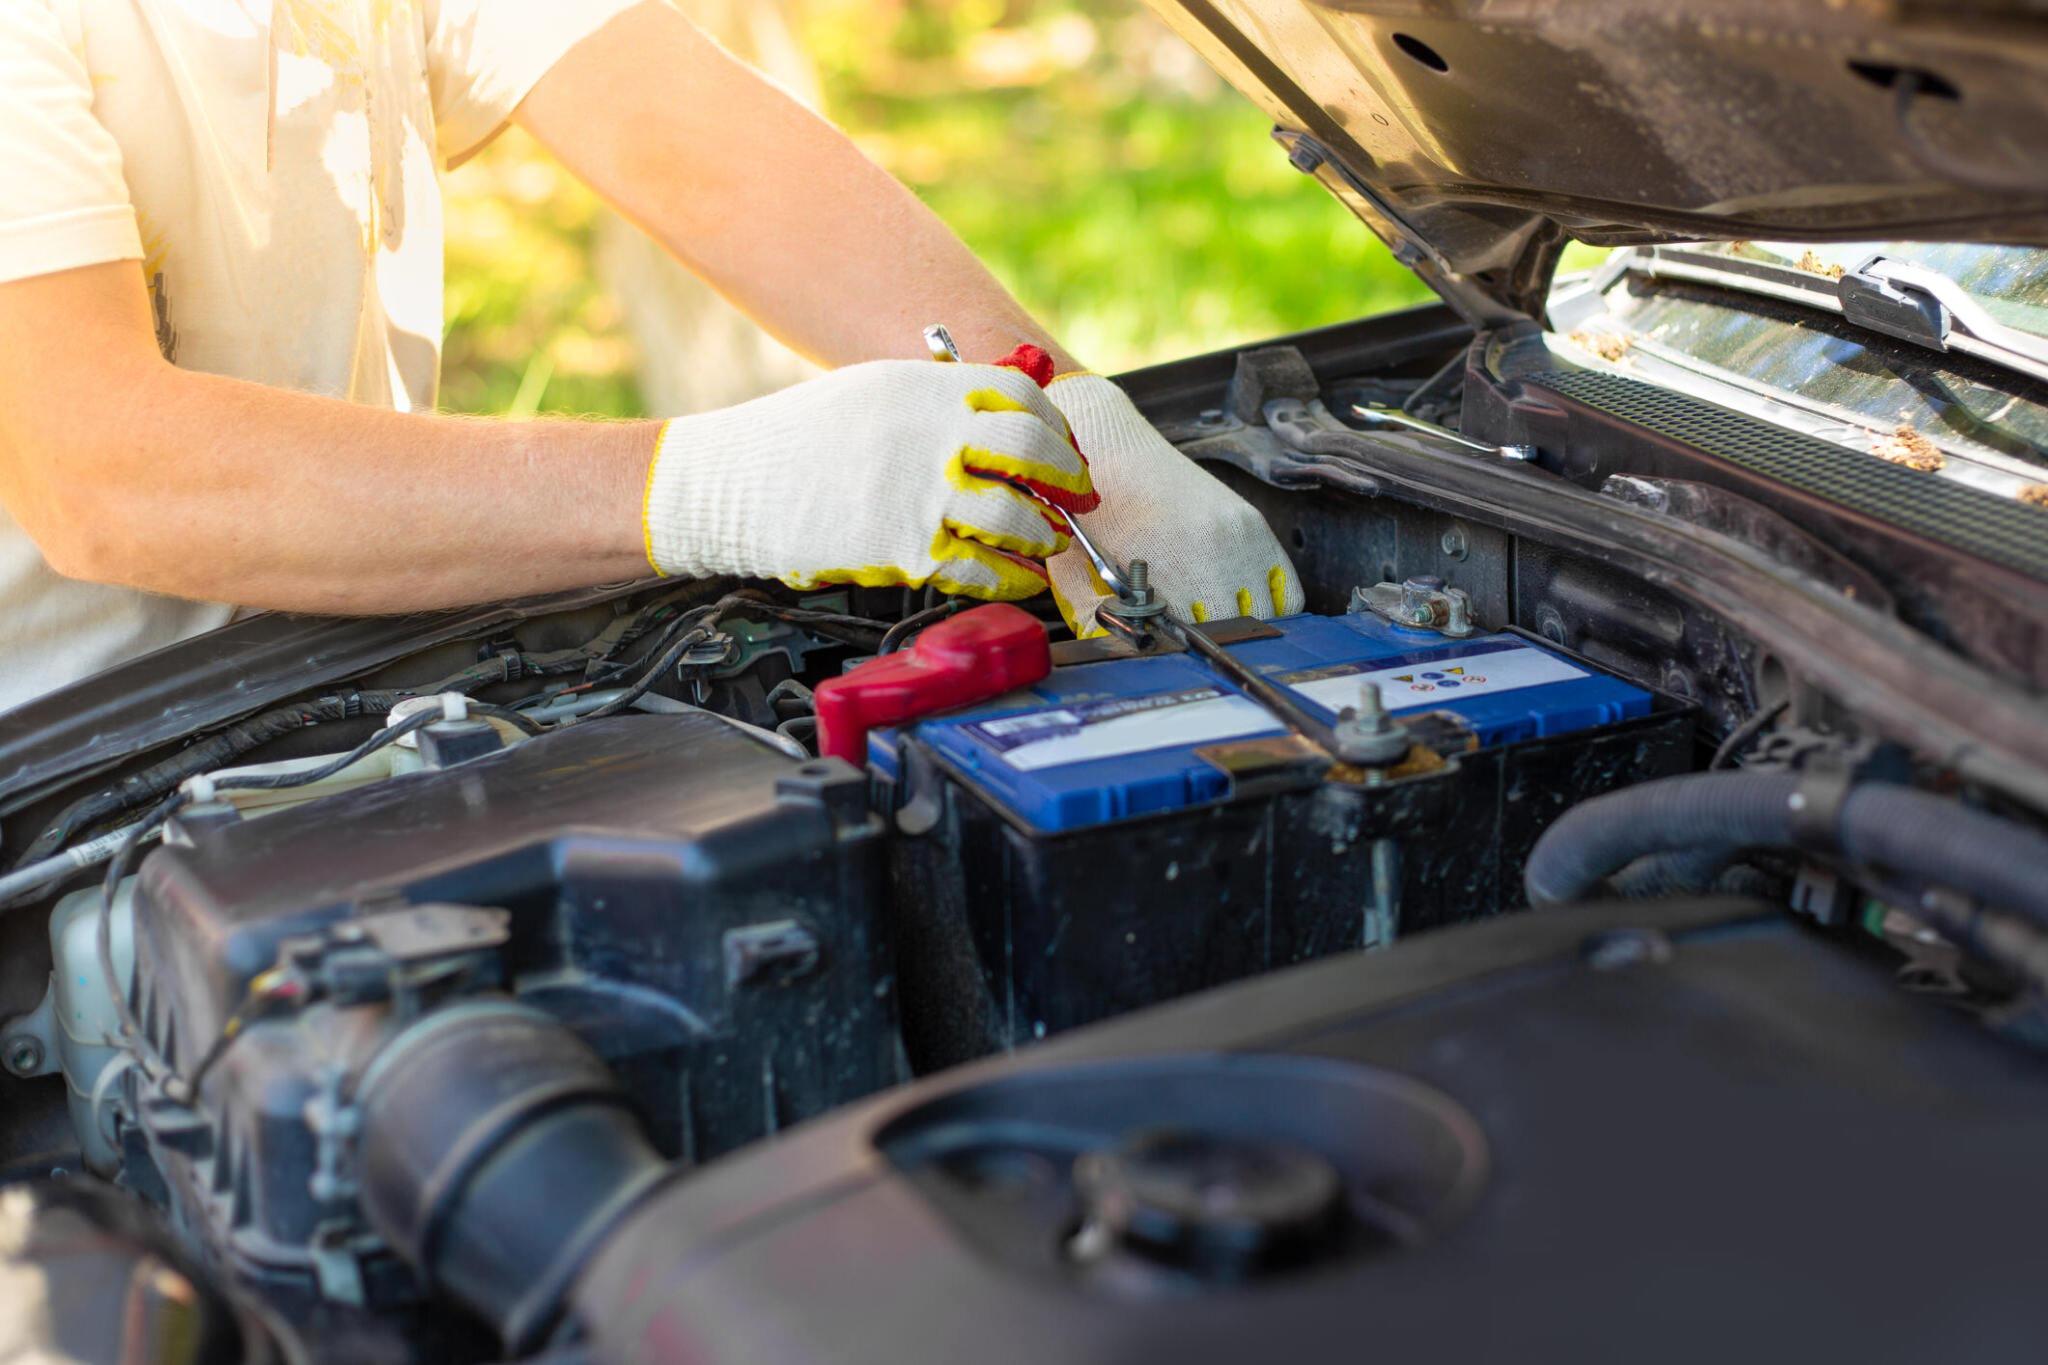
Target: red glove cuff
{"x":1034,"y":362}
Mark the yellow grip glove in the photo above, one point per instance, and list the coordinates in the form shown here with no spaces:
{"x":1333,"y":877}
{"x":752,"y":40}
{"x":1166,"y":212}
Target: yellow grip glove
{"x":1211,"y":554}
{"x":894,"y":472}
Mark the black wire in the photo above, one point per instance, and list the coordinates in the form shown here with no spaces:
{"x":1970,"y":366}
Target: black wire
{"x":893,"y":638}
{"x":144,"y":1051}
{"x":307,"y":776}
{"x":693,"y":627}
{"x":1738,"y":739}
{"x":188,"y":1087}
{"x":221,"y":749}
{"x":701,"y":621}
{"x":526,"y":725}
{"x":669,"y":659}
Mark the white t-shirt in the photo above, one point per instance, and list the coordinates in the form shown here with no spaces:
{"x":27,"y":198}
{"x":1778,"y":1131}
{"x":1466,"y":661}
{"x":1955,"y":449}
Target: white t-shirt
{"x":274,"y":165}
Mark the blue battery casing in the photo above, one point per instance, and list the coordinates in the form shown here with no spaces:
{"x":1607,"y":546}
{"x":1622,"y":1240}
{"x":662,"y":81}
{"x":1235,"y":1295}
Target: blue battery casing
{"x":1100,"y":742}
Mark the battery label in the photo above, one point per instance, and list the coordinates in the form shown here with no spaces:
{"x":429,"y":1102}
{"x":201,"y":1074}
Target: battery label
{"x":1207,"y":715}
{"x":1125,"y":725}
{"x":1435,"y":681}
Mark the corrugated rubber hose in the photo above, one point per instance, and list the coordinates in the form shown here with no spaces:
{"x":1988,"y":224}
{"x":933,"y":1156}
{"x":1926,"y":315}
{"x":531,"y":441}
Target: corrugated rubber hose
{"x":1928,"y":840}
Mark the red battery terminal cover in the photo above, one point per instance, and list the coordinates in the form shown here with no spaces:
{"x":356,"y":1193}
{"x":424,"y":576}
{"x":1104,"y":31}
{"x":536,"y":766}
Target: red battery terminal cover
{"x":973,"y":657}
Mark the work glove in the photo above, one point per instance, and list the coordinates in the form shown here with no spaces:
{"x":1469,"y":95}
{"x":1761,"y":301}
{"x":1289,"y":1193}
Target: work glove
{"x":1211,"y":555}
{"x":893,"y":472}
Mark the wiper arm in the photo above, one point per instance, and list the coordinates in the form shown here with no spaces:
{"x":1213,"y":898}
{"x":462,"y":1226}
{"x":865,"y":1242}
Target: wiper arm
{"x":1895,"y":298}
{"x":1919,"y":304}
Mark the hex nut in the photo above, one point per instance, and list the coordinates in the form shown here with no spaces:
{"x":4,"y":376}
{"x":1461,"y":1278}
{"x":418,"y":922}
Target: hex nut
{"x":24,"y":1055}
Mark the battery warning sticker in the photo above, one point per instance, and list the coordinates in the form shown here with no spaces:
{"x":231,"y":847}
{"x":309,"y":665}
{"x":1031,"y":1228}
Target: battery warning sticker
{"x":1118,"y":726}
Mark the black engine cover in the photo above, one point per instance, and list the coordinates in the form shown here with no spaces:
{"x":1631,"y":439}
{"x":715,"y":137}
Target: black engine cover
{"x":1682,"y":1132}
{"x":704,"y":910}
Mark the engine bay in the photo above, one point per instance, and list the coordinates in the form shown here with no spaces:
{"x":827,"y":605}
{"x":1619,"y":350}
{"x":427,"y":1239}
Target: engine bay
{"x":394,"y":996}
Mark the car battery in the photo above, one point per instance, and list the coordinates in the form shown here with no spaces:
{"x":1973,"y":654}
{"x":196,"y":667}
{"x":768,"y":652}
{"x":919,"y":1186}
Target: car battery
{"x":1134,"y":828}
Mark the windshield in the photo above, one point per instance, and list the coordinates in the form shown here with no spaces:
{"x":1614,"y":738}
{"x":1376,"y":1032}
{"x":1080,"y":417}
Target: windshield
{"x":1946,"y":413}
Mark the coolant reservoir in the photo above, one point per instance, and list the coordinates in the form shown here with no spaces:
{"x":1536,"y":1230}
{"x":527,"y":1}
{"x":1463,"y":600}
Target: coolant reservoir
{"x":83,"y":1009}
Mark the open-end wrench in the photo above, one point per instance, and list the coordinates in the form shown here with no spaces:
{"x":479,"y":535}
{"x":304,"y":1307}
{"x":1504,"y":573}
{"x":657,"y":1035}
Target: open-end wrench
{"x":1522,"y":453}
{"x":939,"y":344}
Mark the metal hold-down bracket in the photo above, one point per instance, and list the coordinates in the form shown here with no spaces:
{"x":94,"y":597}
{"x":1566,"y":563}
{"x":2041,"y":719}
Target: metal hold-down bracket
{"x":1364,"y":737}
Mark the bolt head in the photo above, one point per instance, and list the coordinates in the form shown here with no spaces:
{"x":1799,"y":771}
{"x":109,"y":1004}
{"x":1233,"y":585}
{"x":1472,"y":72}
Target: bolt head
{"x":1304,"y":158}
{"x":24,"y":1056}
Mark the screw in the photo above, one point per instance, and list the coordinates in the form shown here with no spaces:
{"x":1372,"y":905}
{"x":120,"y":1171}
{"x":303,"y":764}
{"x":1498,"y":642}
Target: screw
{"x":1366,"y":734}
{"x":1422,"y":616}
{"x":1454,"y":545}
{"x":1140,"y":574}
{"x":1372,"y":707}
{"x":24,"y":1056}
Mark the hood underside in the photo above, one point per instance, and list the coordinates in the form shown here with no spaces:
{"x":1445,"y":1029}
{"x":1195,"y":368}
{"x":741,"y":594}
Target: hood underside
{"x":1475,"y":135}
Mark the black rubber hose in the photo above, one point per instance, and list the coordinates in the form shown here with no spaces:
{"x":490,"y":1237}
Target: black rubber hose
{"x":1683,"y":873}
{"x":1926,"y":838}
{"x":496,"y":1153}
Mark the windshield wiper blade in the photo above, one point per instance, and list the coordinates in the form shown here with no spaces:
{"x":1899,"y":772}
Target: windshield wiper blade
{"x":1919,"y":304}
{"x":1899,"y":299}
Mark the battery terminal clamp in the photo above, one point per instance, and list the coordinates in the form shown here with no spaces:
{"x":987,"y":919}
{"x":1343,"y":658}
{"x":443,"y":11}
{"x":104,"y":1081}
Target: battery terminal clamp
{"x":974,"y":657}
{"x":1420,"y":603}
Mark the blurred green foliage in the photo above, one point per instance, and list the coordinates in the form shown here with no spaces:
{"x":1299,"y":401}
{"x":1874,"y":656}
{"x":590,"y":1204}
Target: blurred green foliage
{"x":1127,"y":196}
{"x":530,"y":328}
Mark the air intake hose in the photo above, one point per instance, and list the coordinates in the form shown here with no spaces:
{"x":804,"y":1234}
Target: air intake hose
{"x":1927,"y":839}
{"x":496,"y":1152}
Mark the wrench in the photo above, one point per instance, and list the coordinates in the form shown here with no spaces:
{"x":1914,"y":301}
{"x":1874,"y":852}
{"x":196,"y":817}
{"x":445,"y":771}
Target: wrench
{"x":938,"y":343}
{"x":1522,"y":453}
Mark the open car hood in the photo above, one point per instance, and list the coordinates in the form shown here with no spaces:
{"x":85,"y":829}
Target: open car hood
{"x":1474,"y":136}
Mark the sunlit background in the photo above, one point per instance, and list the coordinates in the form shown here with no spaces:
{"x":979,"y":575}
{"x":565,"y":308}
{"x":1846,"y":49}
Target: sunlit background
{"x":1127,"y":195}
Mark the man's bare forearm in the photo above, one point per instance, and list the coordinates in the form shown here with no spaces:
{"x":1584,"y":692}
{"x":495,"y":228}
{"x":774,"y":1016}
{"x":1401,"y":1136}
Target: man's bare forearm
{"x":767,"y":201}
{"x":372,"y":511}
{"x":126,"y":470}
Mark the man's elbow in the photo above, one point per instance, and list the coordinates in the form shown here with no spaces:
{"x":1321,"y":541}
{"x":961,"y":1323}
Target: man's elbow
{"x":75,"y":548}
{"x":71,"y":519}
{"x":72,"y":489}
